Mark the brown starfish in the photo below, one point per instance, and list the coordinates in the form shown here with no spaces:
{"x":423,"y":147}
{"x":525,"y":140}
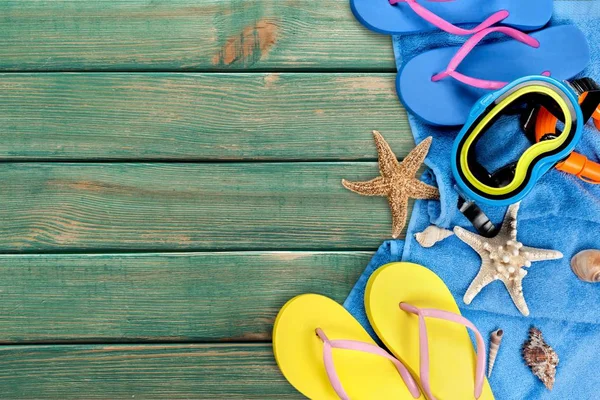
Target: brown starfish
{"x":397,"y":181}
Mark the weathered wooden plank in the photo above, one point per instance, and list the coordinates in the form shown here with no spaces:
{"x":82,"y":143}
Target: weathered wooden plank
{"x":198,"y":116}
{"x":188,"y":35}
{"x":174,"y":206}
{"x":162,"y":297}
{"x":209,"y":371}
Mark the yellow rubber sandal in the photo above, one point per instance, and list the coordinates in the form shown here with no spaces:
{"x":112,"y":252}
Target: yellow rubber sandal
{"x":398,"y":299}
{"x":326,"y":354}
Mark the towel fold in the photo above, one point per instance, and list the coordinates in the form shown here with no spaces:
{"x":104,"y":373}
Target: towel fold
{"x":561,"y":213}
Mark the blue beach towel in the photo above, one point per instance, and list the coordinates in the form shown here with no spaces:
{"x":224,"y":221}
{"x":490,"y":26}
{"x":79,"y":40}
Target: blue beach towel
{"x":561,"y":213}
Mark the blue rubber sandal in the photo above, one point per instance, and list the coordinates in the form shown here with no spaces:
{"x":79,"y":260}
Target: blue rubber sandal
{"x":395,"y":17}
{"x":442,"y":85}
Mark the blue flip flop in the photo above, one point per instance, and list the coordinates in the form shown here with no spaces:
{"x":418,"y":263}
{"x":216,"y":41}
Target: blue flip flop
{"x":441,"y":86}
{"x":395,"y":17}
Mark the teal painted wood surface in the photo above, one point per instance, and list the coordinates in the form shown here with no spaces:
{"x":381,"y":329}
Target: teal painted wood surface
{"x":162,"y":297}
{"x":147,"y":207}
{"x":194,"y":371}
{"x":199,"y":116}
{"x":190,"y":35}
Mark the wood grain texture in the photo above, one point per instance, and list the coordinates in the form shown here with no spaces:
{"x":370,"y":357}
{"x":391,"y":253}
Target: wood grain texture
{"x":162,"y":297}
{"x":199,"y":116}
{"x":153,"y":207}
{"x":187,"y":35}
{"x":294,"y":112}
{"x":209,"y":371}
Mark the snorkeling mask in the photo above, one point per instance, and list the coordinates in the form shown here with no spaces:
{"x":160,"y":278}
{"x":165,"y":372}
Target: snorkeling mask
{"x":510,"y":183}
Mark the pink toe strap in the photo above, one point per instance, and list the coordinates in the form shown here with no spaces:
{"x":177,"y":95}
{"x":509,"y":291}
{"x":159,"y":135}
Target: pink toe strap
{"x":329,"y":345}
{"x":422,"y":313}
{"x":444,"y":25}
{"x":469,"y":45}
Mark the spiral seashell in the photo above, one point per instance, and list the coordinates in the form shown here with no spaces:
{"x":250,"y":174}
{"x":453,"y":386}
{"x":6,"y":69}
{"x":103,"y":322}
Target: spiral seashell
{"x":586,"y":265}
{"x":495,"y":340}
{"x":431,"y":235}
{"x":541,"y":358}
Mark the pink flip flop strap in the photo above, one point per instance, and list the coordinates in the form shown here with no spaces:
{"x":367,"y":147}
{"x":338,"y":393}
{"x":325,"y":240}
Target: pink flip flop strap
{"x":444,"y":25}
{"x":469,"y":45}
{"x":329,"y":345}
{"x":422,"y":313}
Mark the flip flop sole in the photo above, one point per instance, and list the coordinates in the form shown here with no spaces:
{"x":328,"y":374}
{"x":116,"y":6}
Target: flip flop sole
{"x":452,"y":358}
{"x":380,"y":16}
{"x":563,"y":52}
{"x":299,"y":353}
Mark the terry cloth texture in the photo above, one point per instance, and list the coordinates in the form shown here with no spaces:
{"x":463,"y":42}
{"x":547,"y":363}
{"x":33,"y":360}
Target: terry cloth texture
{"x":561,"y":213}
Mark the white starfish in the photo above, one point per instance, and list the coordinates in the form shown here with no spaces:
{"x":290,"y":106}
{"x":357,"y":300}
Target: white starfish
{"x":503,"y":258}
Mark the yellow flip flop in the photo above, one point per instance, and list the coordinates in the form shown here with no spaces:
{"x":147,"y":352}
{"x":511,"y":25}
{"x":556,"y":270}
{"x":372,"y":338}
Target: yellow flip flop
{"x":326,"y":354}
{"x":415,"y":315}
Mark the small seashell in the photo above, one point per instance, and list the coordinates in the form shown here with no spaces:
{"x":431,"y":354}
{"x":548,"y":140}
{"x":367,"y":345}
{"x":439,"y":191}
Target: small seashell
{"x":586,"y":265}
{"x":495,"y":340}
{"x":431,"y":235}
{"x":541,"y":358}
